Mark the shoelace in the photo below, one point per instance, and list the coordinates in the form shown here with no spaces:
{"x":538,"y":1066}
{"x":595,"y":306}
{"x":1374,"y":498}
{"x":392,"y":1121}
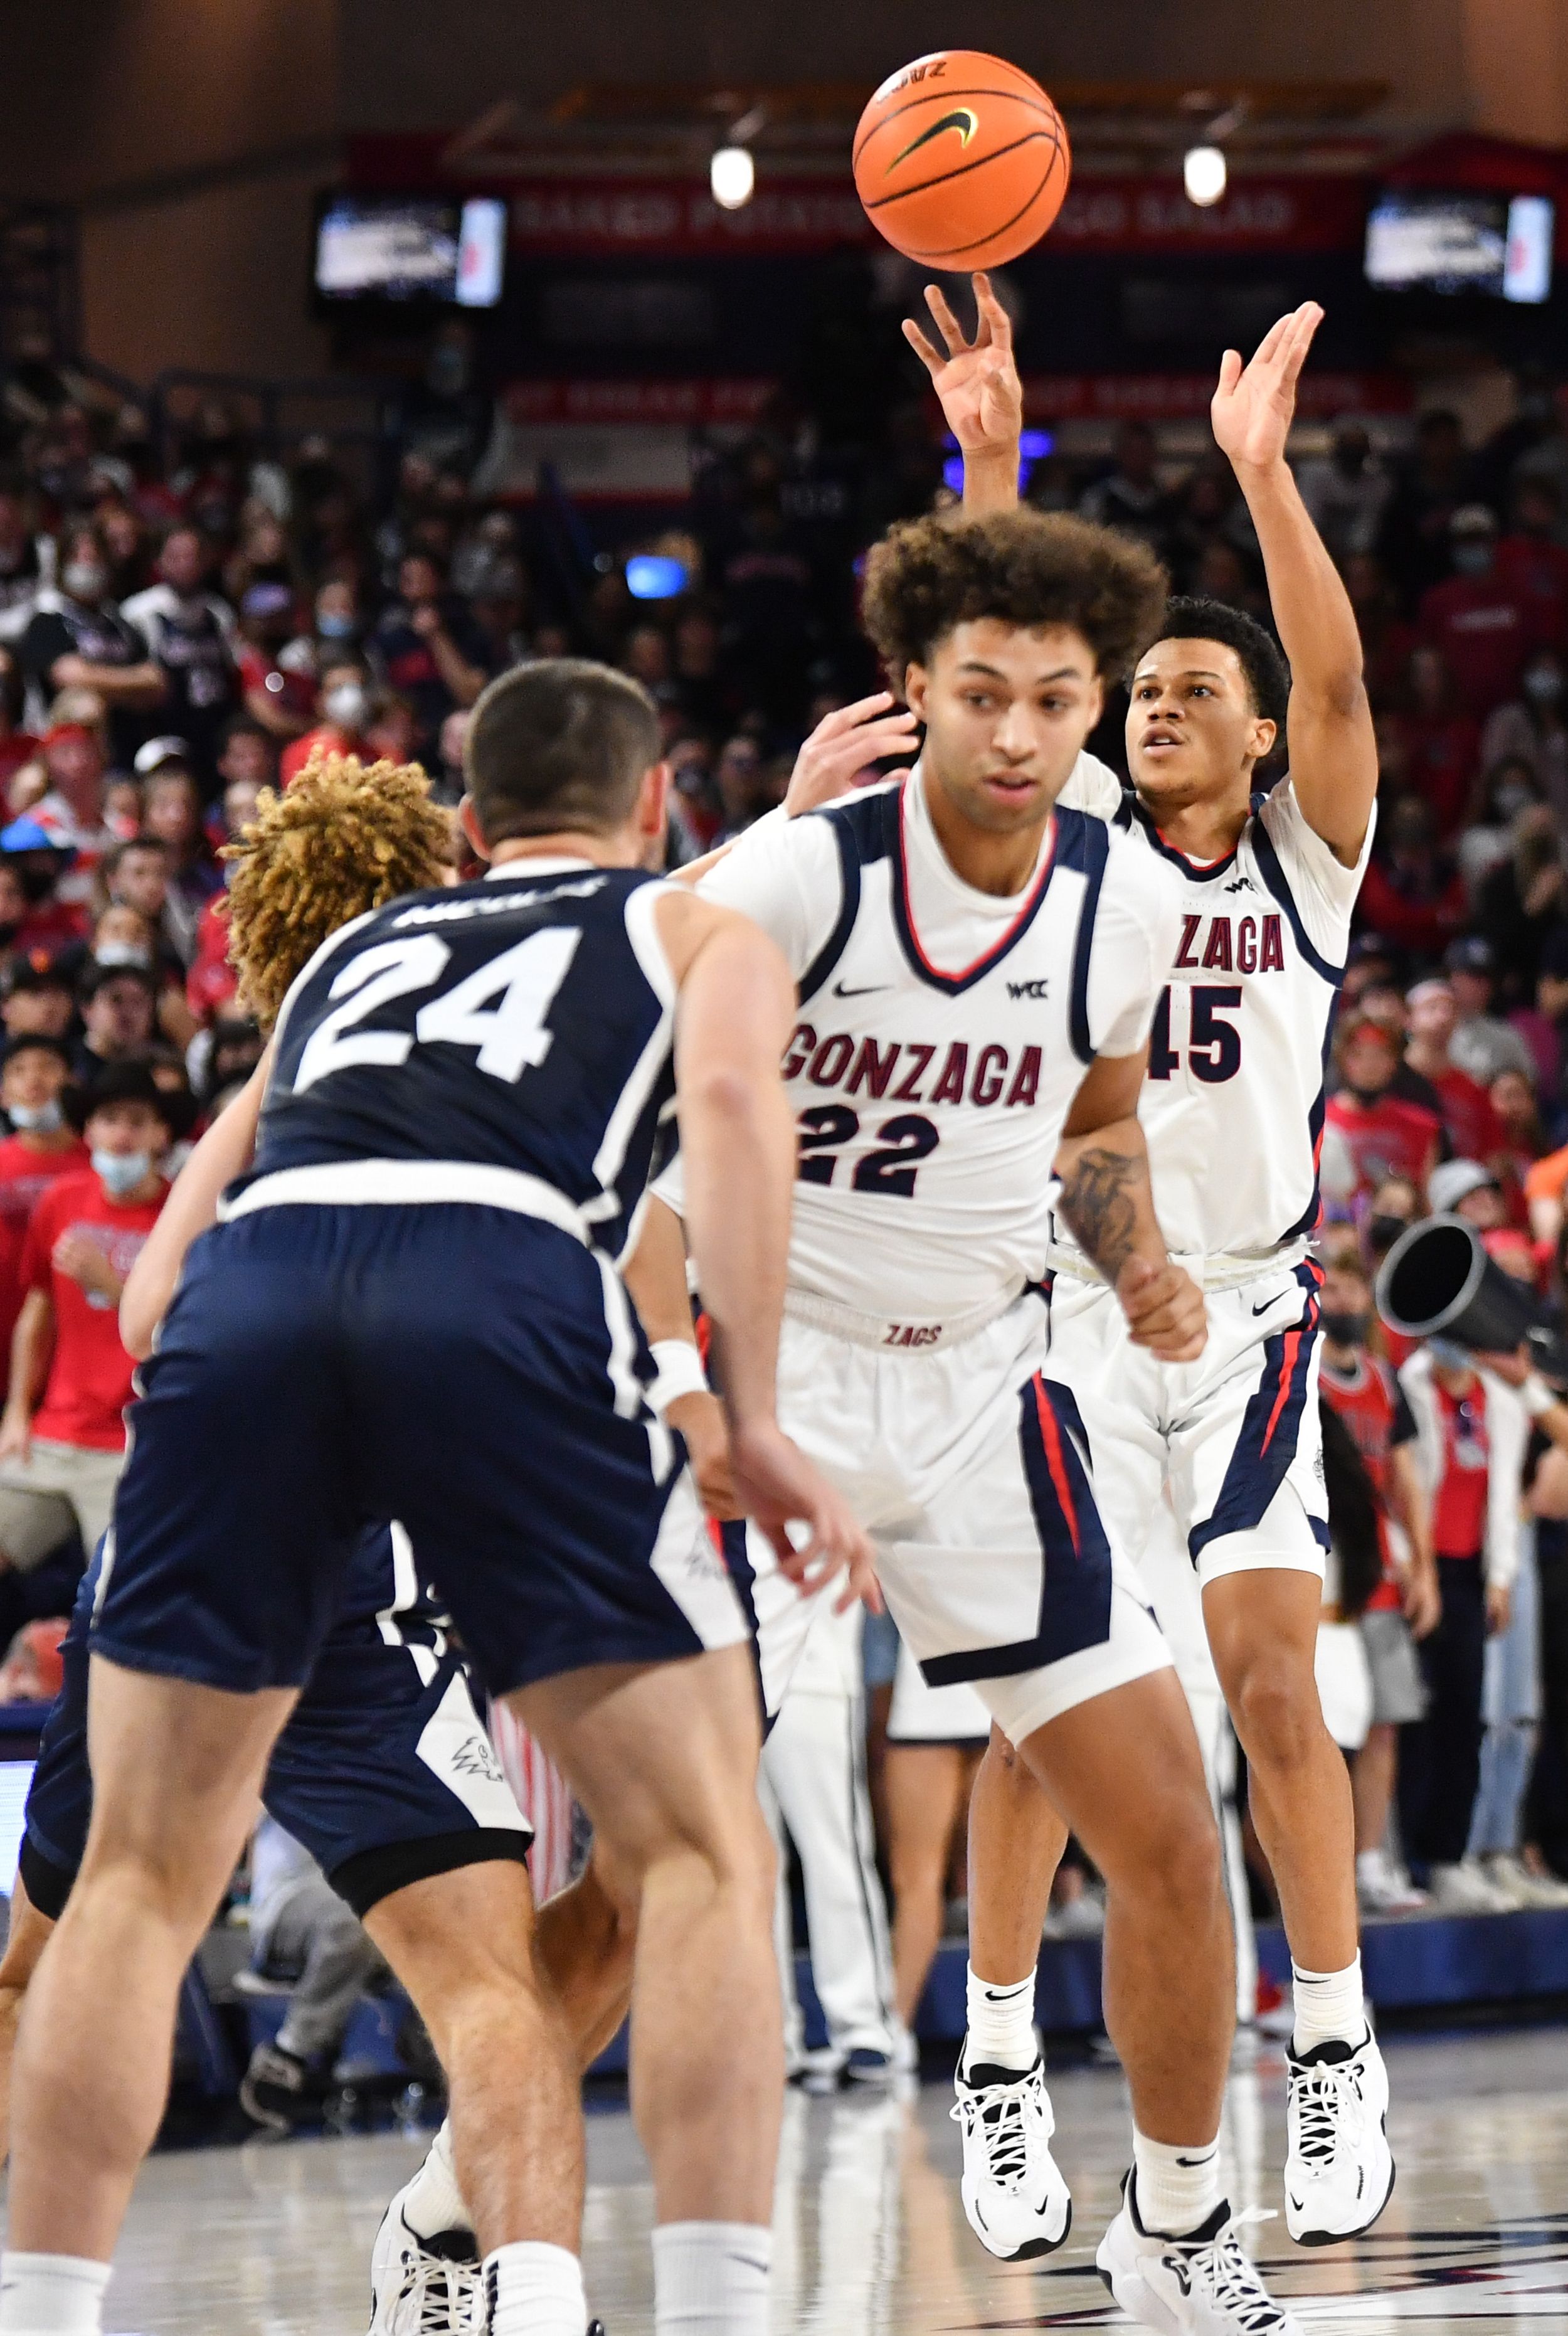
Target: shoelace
{"x":440,"y":2298}
{"x":1321,"y":2098}
{"x":1226,"y":2275}
{"x":1001,"y":2113}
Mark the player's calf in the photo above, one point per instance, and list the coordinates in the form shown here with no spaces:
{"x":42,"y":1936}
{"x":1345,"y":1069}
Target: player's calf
{"x":664,"y":1759}
{"x":180,"y":1768}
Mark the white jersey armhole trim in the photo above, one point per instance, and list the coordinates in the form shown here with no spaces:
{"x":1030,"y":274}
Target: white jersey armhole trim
{"x":642,"y":932}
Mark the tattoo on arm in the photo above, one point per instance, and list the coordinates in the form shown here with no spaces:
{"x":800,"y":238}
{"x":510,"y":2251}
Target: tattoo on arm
{"x":1100,"y":1199}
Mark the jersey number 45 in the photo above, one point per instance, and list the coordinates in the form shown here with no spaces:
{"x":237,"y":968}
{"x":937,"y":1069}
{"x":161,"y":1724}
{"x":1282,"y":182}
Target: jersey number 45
{"x":1213,"y":1045}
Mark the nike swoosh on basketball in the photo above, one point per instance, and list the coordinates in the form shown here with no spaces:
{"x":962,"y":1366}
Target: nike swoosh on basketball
{"x":862,"y":989}
{"x":960,"y":119}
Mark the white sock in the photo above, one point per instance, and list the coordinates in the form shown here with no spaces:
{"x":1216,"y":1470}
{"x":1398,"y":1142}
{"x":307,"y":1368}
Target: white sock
{"x":999,"y":2023}
{"x":432,"y":2201}
{"x":1177,"y":2186}
{"x":710,"y":2279}
{"x":1329,"y":2006}
{"x":51,"y":2296}
{"x":534,"y":2290}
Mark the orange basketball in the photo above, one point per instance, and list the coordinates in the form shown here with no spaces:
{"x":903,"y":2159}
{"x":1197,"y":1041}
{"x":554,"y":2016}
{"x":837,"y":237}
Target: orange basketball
{"x":962,"y":161}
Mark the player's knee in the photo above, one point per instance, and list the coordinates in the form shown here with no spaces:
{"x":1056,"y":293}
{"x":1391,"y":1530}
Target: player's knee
{"x":1276,"y":1708}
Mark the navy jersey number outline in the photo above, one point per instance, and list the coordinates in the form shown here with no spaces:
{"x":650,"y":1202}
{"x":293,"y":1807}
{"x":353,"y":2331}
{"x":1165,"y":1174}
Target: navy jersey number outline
{"x":906,"y":1139}
{"x":1214,"y":1044}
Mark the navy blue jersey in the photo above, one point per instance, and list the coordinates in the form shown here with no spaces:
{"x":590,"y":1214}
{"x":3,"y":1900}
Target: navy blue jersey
{"x":523,"y":1023}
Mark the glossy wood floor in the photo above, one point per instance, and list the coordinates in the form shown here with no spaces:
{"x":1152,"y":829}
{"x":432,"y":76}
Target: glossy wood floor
{"x":273,"y":2239}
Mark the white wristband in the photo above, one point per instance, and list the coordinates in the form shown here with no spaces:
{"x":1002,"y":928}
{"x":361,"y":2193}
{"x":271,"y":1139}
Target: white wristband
{"x":1537,"y":1397}
{"x":680,"y":1372}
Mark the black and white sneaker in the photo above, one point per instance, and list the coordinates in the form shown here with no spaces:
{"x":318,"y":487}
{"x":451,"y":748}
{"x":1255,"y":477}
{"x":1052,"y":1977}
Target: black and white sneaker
{"x":425,"y":2287}
{"x":1199,"y":2285}
{"x":1338,"y":2166}
{"x":1014,"y":2192}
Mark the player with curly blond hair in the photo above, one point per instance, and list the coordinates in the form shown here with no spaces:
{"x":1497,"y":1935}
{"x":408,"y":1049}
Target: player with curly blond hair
{"x":344,"y":838}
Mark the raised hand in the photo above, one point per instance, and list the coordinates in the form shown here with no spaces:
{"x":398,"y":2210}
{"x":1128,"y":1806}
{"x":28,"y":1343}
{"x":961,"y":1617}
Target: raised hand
{"x":871,"y":730}
{"x":1254,"y":405}
{"x":977,"y":381}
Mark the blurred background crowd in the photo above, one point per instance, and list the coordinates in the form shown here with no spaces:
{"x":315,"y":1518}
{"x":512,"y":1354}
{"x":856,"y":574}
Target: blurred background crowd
{"x":185,"y":616}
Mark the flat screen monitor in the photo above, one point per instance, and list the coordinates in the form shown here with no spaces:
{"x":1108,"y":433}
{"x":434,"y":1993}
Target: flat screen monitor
{"x":412,"y":247}
{"x":1498,"y":245}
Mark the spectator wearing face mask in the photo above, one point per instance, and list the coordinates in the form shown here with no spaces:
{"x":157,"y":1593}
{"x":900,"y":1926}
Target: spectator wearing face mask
{"x":1477,"y":618}
{"x":277,"y":673}
{"x":119,"y":1006}
{"x":192,"y":635}
{"x":425,"y":646}
{"x":1523,"y":899}
{"x":343,"y":709}
{"x":82,"y":641}
{"x":1481,"y":1044}
{"x":1471,"y":1431}
{"x":42,"y":1145}
{"x":1382,"y":1135}
{"x":135,"y":875}
{"x":63,"y":1435}
{"x":1532,"y":730}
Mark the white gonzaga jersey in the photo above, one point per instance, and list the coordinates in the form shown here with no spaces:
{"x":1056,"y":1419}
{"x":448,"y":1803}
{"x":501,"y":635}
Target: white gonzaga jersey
{"x":1238,"y":1055}
{"x":942,"y":1034}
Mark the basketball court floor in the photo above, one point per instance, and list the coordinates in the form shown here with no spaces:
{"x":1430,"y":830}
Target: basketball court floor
{"x":272,"y":2239}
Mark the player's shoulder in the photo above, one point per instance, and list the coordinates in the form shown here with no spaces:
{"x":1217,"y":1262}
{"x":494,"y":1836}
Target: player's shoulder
{"x":864,"y":823}
{"x":1092,"y":788}
{"x":1136,"y":874}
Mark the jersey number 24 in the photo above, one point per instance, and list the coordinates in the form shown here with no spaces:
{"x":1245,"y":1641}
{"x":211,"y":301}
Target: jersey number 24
{"x":510,"y":1033}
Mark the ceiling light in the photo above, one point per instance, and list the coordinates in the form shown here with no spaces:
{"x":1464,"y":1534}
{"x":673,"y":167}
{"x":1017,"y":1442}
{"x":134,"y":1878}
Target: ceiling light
{"x":732,"y":175}
{"x":1203,"y":175}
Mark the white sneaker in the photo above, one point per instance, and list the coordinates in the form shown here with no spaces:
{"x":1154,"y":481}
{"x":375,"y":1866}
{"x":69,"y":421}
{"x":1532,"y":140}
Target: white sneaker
{"x":1013,"y":2191}
{"x":1464,"y":1889}
{"x":1507,"y":1871}
{"x":425,"y":2287}
{"x":1198,"y":2286}
{"x":1338,"y":2166}
{"x":1383,"y":1888}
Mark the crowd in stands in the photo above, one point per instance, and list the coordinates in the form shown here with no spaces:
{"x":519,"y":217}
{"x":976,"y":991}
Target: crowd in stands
{"x":181,"y":628}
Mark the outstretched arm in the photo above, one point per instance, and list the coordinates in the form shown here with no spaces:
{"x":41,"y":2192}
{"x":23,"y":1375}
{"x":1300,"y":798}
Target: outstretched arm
{"x":192,"y":1207}
{"x":1108,"y":1204}
{"x":1333,"y":753}
{"x":737,"y":1142}
{"x":982,"y":398}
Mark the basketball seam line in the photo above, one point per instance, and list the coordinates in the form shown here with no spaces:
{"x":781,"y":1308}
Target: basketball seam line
{"x":899,"y":193}
{"x":1017,"y":96}
{"x":952,"y":250}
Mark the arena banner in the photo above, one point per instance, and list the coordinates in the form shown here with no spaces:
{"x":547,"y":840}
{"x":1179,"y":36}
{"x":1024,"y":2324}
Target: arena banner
{"x":1058,"y":397}
{"x":673,"y":217}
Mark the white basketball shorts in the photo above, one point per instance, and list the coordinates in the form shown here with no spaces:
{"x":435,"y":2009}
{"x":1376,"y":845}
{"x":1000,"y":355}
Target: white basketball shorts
{"x":968,"y":1464}
{"x":1236,"y":1435}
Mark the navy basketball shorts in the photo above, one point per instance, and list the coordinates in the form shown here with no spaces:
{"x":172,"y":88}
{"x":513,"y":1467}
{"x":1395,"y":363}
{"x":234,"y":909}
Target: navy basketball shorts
{"x":384,"y":1772}
{"x":478,"y":1375}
